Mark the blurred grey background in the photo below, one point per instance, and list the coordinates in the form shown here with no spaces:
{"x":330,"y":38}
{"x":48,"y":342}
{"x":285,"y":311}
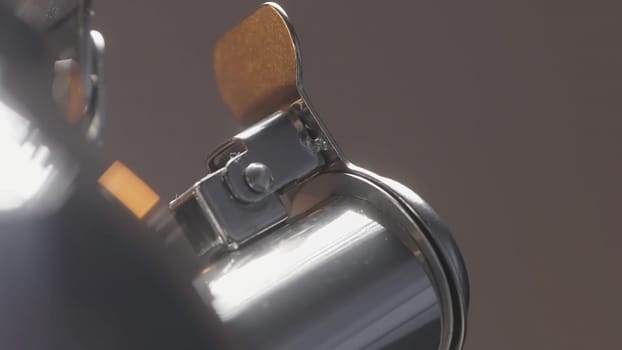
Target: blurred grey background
{"x":505,"y":116}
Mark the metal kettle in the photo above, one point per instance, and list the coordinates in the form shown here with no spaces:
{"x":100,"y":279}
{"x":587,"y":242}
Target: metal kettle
{"x":298,"y":248}
{"x":302,"y":248}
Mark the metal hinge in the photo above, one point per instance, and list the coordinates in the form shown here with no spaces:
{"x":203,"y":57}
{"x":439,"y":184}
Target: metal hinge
{"x":240,"y":198}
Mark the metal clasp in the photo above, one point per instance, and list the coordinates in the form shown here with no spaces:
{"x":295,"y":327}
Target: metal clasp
{"x":240,"y":197}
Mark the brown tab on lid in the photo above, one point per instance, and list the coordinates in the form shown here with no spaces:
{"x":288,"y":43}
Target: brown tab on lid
{"x":255,"y":66}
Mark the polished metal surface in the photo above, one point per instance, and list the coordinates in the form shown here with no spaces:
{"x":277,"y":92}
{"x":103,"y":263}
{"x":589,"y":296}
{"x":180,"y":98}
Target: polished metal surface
{"x":448,"y":270}
{"x":37,"y":169}
{"x":258,"y":177}
{"x":352,"y":260}
{"x":305,"y":250}
{"x":345,"y":228}
{"x":277,"y":152}
{"x":42,"y":13}
{"x":77,"y":271}
{"x":334,"y":279}
{"x":36,"y":62}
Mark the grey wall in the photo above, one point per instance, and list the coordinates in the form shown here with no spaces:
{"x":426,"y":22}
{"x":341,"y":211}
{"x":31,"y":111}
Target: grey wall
{"x":504,"y":116}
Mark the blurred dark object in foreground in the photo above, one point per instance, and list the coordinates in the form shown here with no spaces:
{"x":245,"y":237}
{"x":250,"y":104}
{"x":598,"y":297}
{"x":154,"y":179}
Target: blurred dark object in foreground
{"x":77,"y":270}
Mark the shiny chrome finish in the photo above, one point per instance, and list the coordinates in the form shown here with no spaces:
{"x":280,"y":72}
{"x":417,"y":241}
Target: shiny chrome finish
{"x":329,"y":255}
{"x":449,"y":270}
{"x":77,"y":270}
{"x":303,"y":250}
{"x":79,"y":54}
{"x":348,"y":273}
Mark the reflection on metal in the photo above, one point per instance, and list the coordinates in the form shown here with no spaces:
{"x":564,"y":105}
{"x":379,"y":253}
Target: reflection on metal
{"x":304,"y":249}
{"x":245,"y":284}
{"x":68,"y":89}
{"x":129,"y":189}
{"x":96,"y":108}
{"x":25,"y":165}
{"x":79,"y":83}
{"x":64,"y":247}
{"x":226,"y":194}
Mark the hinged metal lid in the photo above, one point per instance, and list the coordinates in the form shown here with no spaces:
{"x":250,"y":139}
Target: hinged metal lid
{"x":258,"y":70}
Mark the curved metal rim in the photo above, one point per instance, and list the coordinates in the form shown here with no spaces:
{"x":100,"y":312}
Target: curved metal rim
{"x":429,"y":222}
{"x":442,"y":243}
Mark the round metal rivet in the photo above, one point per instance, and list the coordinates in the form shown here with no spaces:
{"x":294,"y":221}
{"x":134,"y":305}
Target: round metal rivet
{"x":258,"y":177}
